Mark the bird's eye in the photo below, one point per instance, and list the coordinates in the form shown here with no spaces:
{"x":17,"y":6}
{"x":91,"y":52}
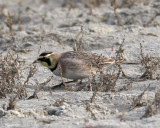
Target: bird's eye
{"x":42,"y":59}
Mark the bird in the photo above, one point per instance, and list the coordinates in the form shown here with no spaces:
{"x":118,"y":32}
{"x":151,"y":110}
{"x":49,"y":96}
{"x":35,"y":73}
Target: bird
{"x":74,"y":65}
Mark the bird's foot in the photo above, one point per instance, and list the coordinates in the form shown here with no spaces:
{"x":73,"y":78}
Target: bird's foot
{"x":80,"y":82}
{"x":57,"y":86}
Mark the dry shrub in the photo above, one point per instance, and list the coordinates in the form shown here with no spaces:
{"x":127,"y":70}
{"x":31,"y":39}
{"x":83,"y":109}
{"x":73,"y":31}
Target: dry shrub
{"x":150,"y":64}
{"x":110,"y":80}
{"x":88,"y":108}
{"x":59,"y":102}
{"x":90,"y":4}
{"x":148,"y":112}
{"x":35,"y":94}
{"x":107,"y":81}
{"x":9,"y":23}
{"x":156,"y":101}
{"x":126,"y":87}
{"x":123,"y":3}
{"x":152,"y":20}
{"x":78,"y":41}
{"x":8,"y":20}
{"x":10,"y":79}
{"x":98,"y":87}
{"x":69,"y":3}
{"x":12,"y":18}
{"x":20,"y":49}
{"x":137,"y":100}
{"x":154,"y":107}
{"x":116,"y":4}
{"x":86,"y":3}
{"x":127,"y":3}
{"x":12,"y":103}
{"x":41,"y":85}
{"x":11,"y":83}
{"x":11,"y":76}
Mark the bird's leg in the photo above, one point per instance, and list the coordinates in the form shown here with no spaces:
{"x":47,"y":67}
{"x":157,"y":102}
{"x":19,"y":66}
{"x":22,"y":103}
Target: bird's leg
{"x":80,"y":81}
{"x":57,"y":86}
{"x":62,"y":84}
{"x":70,"y":81}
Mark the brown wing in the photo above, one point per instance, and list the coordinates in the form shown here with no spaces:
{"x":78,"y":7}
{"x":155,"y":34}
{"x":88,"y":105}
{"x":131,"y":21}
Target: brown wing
{"x":83,"y":60}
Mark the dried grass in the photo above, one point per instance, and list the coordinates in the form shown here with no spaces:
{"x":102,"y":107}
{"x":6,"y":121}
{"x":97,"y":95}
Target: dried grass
{"x":137,"y":101}
{"x":59,"y":102}
{"x":88,"y":108}
{"x":107,"y":81}
{"x":10,"y":75}
{"x":12,"y":103}
{"x":79,"y":43}
{"x":153,"y":108}
{"x":150,"y":64}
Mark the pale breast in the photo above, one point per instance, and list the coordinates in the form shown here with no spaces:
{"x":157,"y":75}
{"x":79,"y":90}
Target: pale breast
{"x":57,"y":71}
{"x":71,"y":74}
{"x":75,"y":75}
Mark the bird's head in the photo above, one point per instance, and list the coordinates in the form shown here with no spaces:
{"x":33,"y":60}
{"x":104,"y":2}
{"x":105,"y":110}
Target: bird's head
{"x":47,"y":59}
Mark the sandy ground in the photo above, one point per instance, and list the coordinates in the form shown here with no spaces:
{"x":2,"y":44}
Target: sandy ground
{"x":49,"y":26}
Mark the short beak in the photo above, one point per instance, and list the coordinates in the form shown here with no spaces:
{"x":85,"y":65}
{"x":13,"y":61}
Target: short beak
{"x":36,"y":61}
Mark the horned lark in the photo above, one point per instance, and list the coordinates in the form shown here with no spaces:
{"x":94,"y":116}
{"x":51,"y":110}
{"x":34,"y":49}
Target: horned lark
{"x":73,"y":65}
